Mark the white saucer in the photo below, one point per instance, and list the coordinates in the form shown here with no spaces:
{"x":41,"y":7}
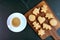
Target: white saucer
{"x":21,"y":27}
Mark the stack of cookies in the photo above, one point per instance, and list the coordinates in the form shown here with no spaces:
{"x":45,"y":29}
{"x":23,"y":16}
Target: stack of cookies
{"x":41,"y":19}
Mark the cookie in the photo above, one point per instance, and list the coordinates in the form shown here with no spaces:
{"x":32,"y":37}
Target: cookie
{"x":32,"y":17}
{"x":36,"y":11}
{"x":36,"y":25}
{"x":53,"y":22}
{"x":44,"y":9}
{"x":49,"y":15}
{"x":41,"y":32}
{"x":46,"y":26}
{"x":41,"y":19}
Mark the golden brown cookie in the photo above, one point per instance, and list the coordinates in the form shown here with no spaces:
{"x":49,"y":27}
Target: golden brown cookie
{"x":41,"y":32}
{"x":53,"y":22}
{"x":49,"y":15}
{"x":36,"y":25}
{"x":46,"y":26}
{"x":41,"y":19}
{"x":32,"y":17}
{"x":36,"y":11}
{"x":44,"y":9}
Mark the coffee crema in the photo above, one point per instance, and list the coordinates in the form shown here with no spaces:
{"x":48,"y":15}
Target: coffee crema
{"x":16,"y":22}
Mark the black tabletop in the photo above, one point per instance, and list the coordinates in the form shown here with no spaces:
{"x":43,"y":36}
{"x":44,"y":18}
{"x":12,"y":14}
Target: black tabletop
{"x":8,"y":7}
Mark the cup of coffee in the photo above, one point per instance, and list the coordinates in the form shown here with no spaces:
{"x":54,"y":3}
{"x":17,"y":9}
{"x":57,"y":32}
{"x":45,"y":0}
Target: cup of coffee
{"x":16,"y":22}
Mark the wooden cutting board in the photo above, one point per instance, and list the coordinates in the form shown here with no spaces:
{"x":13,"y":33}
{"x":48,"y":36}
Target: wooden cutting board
{"x":52,"y":32}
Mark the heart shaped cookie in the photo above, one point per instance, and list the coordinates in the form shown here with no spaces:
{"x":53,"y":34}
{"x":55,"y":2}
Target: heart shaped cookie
{"x":41,"y":19}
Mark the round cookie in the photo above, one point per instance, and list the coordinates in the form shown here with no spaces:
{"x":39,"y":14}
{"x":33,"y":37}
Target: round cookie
{"x":53,"y":22}
{"x":32,"y":17}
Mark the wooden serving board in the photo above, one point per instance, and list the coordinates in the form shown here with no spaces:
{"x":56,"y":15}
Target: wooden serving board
{"x":48,"y":32}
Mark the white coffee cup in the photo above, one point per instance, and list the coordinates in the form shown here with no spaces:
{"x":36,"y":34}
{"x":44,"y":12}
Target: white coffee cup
{"x":22,"y":25}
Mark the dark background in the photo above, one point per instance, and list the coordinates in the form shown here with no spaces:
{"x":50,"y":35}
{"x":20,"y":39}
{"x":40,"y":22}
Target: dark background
{"x":8,"y":7}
